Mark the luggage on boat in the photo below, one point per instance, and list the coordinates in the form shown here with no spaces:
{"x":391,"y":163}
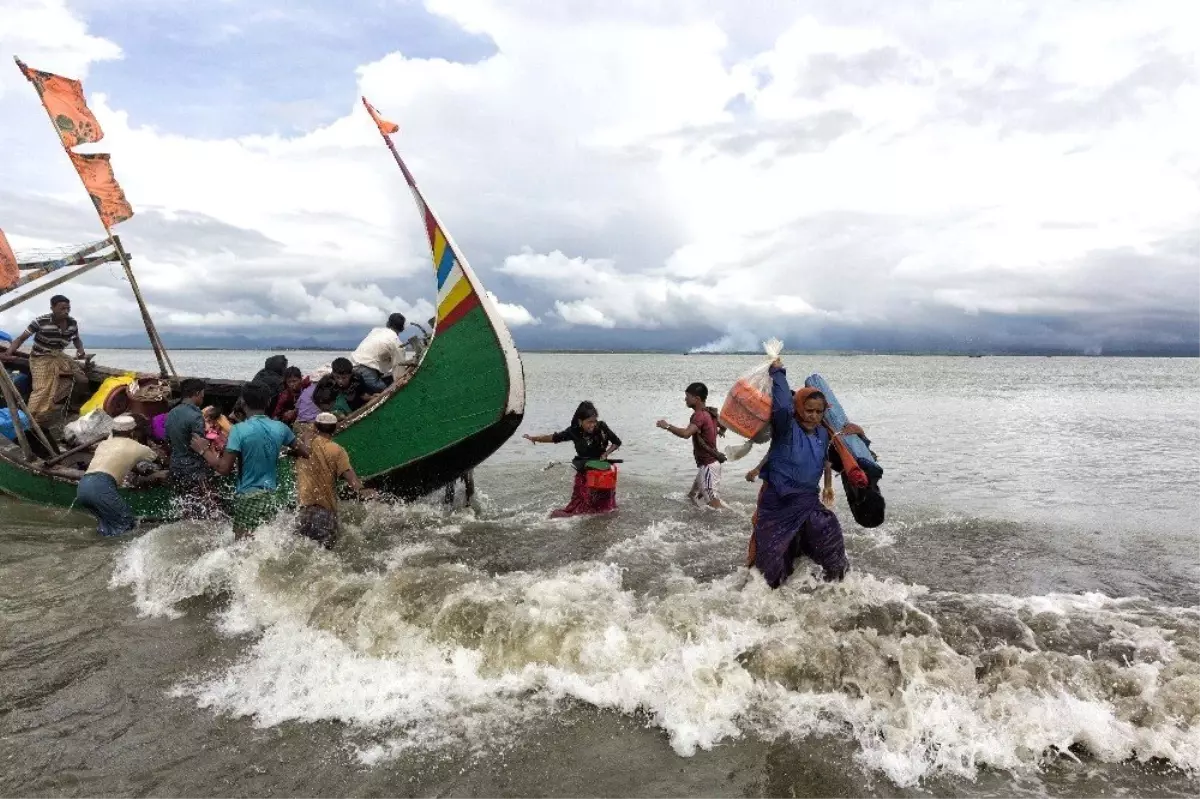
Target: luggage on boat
{"x":92,"y":427}
{"x":747,"y":408}
{"x":107,"y":387}
{"x":7,"y":428}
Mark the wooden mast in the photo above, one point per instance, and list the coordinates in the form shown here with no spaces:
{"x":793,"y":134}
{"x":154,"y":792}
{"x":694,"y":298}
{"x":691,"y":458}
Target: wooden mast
{"x":164,"y":362}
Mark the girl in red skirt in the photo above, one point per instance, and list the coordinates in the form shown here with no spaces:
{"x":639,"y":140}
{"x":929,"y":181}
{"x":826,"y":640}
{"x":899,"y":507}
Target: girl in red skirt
{"x":593,"y":441}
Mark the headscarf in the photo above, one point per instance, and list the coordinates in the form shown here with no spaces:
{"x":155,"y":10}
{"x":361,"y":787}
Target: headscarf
{"x":803,"y":394}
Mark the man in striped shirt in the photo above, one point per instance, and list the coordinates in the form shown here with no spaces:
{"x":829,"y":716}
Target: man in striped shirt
{"x":51,"y":334}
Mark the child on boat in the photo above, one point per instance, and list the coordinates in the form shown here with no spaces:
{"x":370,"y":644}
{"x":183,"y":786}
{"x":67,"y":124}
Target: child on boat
{"x":702,"y":430}
{"x":593,"y":440}
{"x":284,"y":406}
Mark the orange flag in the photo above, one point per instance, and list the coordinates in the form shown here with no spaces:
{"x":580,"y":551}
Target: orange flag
{"x":63,"y":99}
{"x":385,"y":127}
{"x":9,"y":273}
{"x":97,"y":175}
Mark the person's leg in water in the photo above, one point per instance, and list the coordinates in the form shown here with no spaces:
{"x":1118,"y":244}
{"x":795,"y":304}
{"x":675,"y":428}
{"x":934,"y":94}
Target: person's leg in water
{"x":706,"y":486}
{"x":821,"y":540}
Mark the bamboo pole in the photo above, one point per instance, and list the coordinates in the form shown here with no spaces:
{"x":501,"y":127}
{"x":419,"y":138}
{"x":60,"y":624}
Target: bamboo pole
{"x":8,"y":390}
{"x":160,"y":351}
{"x":12,"y":398}
{"x":155,"y":341}
{"x":9,"y":385}
{"x":58,"y":281}
{"x":76,"y":257}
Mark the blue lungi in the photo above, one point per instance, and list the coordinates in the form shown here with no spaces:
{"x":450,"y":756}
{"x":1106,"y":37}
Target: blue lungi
{"x":788,"y":526}
{"x":98,"y":494}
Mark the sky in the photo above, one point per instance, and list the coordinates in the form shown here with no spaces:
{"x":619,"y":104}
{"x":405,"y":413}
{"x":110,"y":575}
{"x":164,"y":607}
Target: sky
{"x":869,"y":174}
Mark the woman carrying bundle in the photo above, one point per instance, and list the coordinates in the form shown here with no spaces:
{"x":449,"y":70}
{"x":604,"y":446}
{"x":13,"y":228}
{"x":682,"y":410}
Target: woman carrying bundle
{"x":593,"y":441}
{"x":790,"y":520}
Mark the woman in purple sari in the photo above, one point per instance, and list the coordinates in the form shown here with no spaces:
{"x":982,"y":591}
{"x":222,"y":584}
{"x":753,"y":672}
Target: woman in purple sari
{"x":790,"y":520}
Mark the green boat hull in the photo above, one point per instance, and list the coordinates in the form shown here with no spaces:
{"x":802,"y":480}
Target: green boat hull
{"x":465,"y":399}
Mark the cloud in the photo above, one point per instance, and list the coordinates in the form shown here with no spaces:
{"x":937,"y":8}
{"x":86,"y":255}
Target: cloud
{"x":687,"y":175}
{"x":514,"y":315}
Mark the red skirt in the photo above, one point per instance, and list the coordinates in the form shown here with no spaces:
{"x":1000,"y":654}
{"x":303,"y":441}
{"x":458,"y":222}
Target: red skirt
{"x":586,"y":500}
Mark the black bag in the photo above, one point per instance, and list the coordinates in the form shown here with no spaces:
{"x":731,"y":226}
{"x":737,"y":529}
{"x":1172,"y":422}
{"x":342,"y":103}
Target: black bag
{"x":866,"y":504}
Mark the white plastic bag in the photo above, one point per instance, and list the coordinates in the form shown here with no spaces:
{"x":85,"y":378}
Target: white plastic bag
{"x":94,"y":426}
{"x":747,"y":408}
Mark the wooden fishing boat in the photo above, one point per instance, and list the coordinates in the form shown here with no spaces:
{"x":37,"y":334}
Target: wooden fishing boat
{"x":463,"y":400}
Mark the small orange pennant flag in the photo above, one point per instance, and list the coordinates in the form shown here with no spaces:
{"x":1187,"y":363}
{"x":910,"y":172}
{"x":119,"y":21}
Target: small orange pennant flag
{"x":9,"y":272}
{"x":384,"y":126}
{"x":64,"y":102}
{"x":97,"y":175}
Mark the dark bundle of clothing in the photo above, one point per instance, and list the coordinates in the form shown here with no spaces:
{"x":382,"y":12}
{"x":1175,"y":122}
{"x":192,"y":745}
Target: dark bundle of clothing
{"x":866,"y":504}
{"x":271,"y":375}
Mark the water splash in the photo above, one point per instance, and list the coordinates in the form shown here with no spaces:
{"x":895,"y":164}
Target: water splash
{"x":410,"y":648}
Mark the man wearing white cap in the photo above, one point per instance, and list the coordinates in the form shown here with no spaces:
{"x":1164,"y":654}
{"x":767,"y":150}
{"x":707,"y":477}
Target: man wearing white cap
{"x":316,"y":483}
{"x":109,"y":467}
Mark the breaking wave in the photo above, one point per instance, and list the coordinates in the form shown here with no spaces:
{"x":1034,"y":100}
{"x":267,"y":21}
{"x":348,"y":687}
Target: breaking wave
{"x":408,"y":647}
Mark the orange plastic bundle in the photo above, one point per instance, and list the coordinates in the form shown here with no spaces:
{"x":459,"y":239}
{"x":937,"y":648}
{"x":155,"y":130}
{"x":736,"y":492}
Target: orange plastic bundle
{"x":747,"y":408}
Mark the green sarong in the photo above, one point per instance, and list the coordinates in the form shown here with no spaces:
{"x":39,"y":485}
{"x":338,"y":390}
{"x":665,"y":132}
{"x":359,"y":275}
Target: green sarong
{"x":253,"y":510}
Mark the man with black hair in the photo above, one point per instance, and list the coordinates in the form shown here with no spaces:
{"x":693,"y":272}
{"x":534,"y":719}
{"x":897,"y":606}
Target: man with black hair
{"x":350,"y":393}
{"x":51,"y":334}
{"x":380,"y":353}
{"x":702,"y":430}
{"x":192,"y":481}
{"x":254,"y":445}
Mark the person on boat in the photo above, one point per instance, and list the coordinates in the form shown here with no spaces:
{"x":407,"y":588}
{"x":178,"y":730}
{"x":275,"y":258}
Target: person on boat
{"x":98,"y":488}
{"x":272,"y":374}
{"x":193,"y":484}
{"x":376,"y":358}
{"x":51,"y":334}
{"x":593,"y":440}
{"x":702,"y":430}
{"x":316,"y":483}
{"x":283,"y":407}
{"x":254,"y":446}
{"x":318,"y":398}
{"x":790,"y":519}
{"x":350,"y":393}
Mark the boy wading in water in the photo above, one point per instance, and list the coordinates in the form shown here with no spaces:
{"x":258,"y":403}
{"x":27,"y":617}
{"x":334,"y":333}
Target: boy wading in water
{"x":316,"y":483}
{"x":702,"y":430}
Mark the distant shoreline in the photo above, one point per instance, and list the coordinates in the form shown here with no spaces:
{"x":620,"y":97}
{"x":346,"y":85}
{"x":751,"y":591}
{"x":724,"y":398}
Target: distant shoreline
{"x":839,"y":353}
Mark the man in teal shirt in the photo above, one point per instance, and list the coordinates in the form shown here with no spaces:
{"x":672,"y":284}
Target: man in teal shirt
{"x":255,"y":445}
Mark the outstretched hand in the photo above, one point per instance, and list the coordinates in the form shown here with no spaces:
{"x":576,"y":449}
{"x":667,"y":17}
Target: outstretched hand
{"x":529,"y":438}
{"x":663,"y":424}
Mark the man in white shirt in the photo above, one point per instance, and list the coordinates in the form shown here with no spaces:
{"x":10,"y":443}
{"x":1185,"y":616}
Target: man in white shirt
{"x":109,"y":467}
{"x":379,"y":354}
